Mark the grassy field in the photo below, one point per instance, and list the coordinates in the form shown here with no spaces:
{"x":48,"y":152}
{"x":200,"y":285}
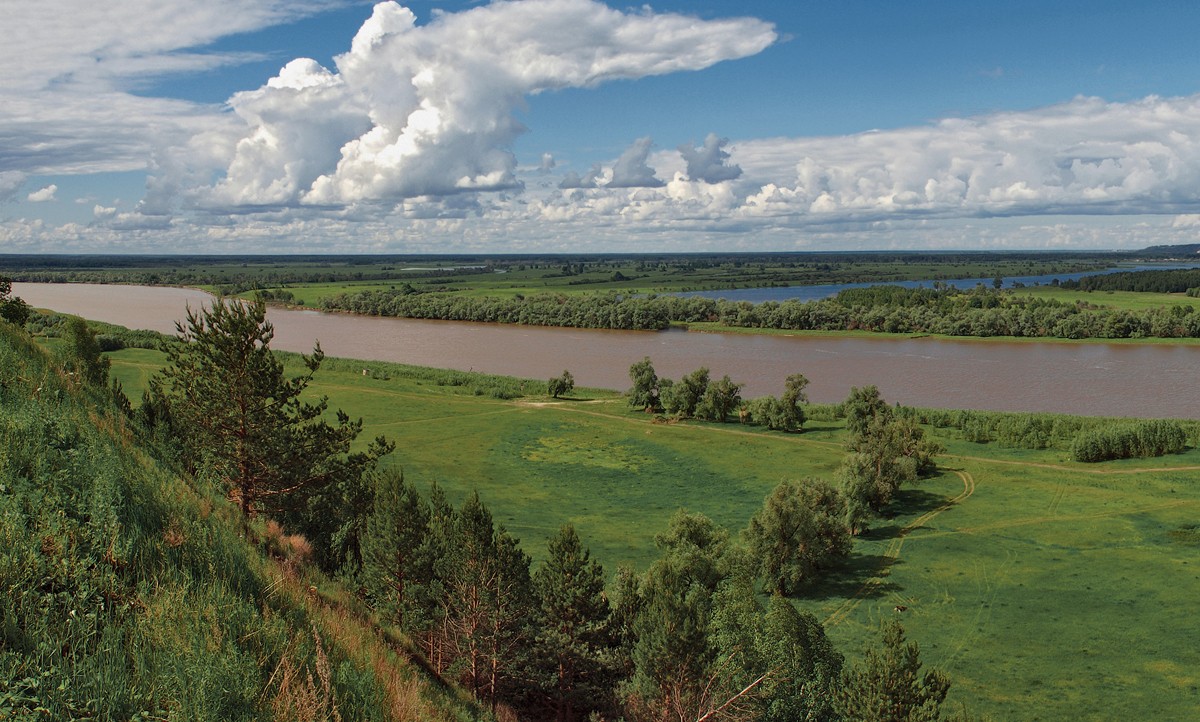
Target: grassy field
{"x":1128,"y":300}
{"x":1046,"y":589}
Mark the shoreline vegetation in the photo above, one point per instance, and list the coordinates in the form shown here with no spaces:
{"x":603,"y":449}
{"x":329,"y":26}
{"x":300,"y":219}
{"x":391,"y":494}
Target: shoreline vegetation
{"x":946,"y":312}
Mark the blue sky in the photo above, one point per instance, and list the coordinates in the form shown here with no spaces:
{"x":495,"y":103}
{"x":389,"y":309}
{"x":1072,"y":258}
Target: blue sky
{"x":566,"y":125}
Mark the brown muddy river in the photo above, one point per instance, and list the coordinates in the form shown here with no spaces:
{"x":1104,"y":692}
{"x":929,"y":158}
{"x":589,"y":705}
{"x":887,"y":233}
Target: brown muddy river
{"x":1090,"y":379}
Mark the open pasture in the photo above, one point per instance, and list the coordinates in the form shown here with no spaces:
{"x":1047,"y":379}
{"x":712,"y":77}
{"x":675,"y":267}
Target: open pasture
{"x":1127,"y":300}
{"x":1046,"y":589}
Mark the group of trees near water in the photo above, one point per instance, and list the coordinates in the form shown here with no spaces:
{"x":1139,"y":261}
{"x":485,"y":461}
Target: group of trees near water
{"x":1129,"y":440}
{"x":980,"y":311}
{"x":697,"y":396}
{"x":885,"y":447}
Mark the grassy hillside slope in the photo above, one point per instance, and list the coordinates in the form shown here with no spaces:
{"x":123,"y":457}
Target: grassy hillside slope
{"x":128,"y":593}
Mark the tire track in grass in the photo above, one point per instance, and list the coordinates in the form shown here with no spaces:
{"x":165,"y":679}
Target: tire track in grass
{"x":1071,"y":469}
{"x":1058,"y":519}
{"x":1059,"y":492}
{"x":894,"y":547}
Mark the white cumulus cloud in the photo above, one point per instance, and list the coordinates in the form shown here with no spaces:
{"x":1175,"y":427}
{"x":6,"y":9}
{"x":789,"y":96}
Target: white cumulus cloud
{"x":43,"y":195}
{"x":709,"y":162}
{"x":71,"y":68}
{"x":427,"y":110}
{"x":1084,"y":156}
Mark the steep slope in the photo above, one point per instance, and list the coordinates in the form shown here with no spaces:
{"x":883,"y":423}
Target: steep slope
{"x":129,"y":593}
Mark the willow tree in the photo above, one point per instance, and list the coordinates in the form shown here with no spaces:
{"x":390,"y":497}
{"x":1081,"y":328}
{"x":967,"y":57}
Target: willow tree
{"x":241,"y":419}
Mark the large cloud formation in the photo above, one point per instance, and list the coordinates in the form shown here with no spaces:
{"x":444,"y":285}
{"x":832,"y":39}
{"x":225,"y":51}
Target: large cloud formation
{"x":427,"y":110}
{"x":1083,"y":156}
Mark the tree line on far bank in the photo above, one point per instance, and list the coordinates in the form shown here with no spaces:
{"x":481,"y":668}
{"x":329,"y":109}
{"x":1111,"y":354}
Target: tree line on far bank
{"x":942,"y":310}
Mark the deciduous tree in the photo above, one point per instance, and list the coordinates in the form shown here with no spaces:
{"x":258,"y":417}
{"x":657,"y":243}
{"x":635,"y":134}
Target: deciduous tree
{"x":12,"y":309}
{"x":561,"y":385}
{"x":800,"y":531}
{"x":683,"y":397}
{"x":720,"y":398}
{"x":645,"y":391}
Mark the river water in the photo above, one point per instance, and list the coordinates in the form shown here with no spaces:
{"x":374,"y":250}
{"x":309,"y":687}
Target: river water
{"x":1089,"y":379}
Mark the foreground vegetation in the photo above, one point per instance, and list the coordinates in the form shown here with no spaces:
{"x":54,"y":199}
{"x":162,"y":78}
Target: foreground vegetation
{"x":129,"y":593}
{"x":1010,"y":552}
{"x":686,"y":638}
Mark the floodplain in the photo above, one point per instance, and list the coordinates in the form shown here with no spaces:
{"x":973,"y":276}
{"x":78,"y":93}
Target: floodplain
{"x":1047,"y":589}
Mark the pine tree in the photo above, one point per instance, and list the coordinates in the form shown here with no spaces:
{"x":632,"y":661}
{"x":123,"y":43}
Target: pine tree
{"x":888,"y":686}
{"x":574,"y":646}
{"x":395,"y":561}
{"x":489,"y":601}
{"x":244,"y":422}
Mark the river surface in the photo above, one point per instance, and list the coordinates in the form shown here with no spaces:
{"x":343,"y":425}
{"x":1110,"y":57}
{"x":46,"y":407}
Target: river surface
{"x":1089,"y":379}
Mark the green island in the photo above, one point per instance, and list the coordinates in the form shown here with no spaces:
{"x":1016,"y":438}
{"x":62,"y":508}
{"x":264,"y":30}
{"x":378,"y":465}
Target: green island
{"x":135,"y":587}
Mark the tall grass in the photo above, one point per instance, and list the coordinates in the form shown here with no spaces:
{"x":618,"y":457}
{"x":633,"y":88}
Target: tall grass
{"x":128,"y":593}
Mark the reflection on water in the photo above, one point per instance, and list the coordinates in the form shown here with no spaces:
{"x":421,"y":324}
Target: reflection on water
{"x":1093,"y":379}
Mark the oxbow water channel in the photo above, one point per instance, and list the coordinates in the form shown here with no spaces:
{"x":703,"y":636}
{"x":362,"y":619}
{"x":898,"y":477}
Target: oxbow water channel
{"x":1089,"y":379}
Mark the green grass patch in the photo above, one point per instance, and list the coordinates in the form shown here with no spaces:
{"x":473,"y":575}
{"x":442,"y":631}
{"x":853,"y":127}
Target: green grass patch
{"x":1126,"y":300}
{"x":1053,"y":590}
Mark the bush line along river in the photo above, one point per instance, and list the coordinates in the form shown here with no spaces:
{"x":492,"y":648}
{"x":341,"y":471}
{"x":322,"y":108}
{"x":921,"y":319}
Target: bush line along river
{"x":1093,"y":379}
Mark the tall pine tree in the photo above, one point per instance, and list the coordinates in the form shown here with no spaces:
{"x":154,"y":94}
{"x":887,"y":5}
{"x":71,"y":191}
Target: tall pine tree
{"x":573,"y":652}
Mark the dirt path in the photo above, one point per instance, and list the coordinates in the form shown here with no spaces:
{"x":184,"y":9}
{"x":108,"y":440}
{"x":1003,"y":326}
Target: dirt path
{"x":892,"y":552}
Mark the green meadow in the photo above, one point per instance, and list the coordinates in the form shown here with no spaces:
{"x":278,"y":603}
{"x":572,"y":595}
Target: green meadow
{"x":1046,"y":589}
{"x":1127,"y":300}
